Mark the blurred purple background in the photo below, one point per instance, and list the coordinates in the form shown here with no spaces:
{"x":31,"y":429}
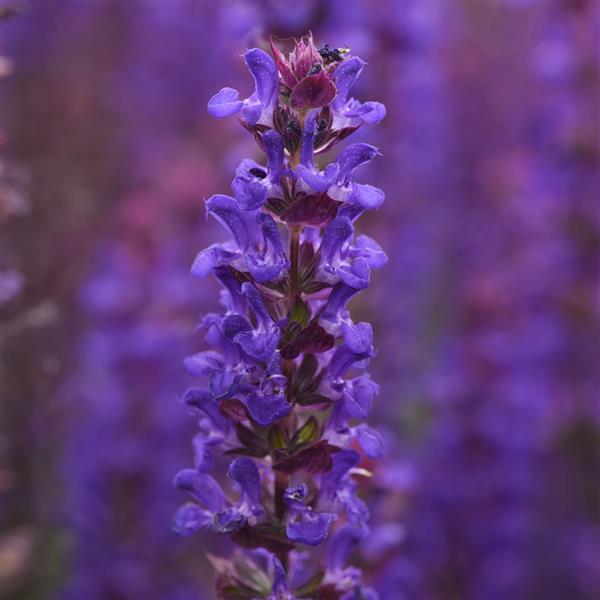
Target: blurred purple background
{"x":485,"y":317}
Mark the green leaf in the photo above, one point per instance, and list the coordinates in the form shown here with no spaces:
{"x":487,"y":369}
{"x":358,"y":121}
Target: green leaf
{"x":309,"y":432}
{"x":300,"y":311}
{"x":277,"y":437}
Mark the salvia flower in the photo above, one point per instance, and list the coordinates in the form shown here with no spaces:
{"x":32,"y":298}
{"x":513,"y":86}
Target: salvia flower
{"x":285,"y":392}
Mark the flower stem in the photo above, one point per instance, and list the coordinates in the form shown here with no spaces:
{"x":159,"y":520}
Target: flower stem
{"x":294,"y":259}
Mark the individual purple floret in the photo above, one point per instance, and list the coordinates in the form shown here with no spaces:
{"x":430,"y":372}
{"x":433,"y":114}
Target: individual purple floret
{"x":285,"y":388}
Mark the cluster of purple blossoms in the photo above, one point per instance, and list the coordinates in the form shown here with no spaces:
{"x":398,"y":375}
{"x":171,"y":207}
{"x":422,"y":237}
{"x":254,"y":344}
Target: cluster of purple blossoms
{"x":286,"y":389}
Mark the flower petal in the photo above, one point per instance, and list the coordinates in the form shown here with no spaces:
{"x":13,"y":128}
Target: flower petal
{"x":366,"y":196}
{"x":358,"y":337}
{"x":256,"y":302}
{"x":373,"y":112}
{"x":229,"y":213}
{"x":225,"y":103}
{"x":273,"y":143}
{"x":313,"y":91}
{"x":334,"y":237}
{"x":308,"y":140}
{"x":202,"y":363}
{"x":263,"y":69}
{"x":353,"y":156}
{"x":338,"y":298}
{"x":189,"y":518}
{"x":244,"y":472}
{"x":370,"y":250}
{"x":356,"y":275}
{"x":340,"y":546}
{"x":343,"y":461}
{"x":233,"y":324}
{"x":320,"y":182}
{"x":370,"y":441}
{"x":345,"y":77}
{"x":250,"y":193}
{"x":202,"y":487}
{"x":203,"y":401}
{"x":284,"y":68}
{"x":211,"y":257}
{"x":311,"y":529}
{"x":259,"y":344}
{"x":280,"y":584}
{"x":266,"y":409}
{"x":263,"y":270}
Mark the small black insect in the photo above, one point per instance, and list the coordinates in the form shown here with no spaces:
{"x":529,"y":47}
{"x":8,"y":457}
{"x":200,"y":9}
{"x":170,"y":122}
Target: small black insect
{"x":331,"y":55}
{"x":315,"y":69}
{"x":257,"y":172}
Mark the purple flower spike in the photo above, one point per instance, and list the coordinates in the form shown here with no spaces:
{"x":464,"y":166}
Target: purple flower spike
{"x":280,"y":351}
